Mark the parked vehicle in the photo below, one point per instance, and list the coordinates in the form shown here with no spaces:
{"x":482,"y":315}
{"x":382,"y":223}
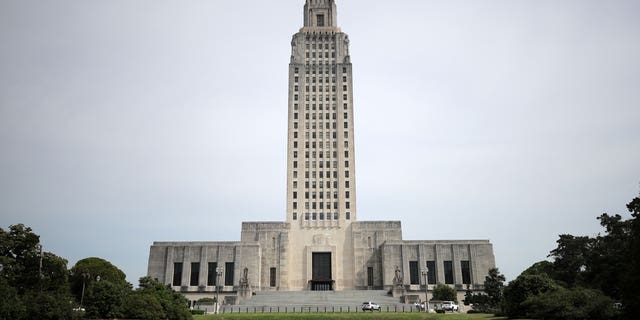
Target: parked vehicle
{"x":370,"y":306}
{"x":449,"y":306}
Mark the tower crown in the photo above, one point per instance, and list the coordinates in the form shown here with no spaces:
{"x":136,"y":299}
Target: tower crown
{"x":320,"y":14}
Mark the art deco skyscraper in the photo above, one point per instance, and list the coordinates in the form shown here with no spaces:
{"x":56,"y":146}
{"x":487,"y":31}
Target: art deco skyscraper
{"x":321,"y":246}
{"x":321,"y":167}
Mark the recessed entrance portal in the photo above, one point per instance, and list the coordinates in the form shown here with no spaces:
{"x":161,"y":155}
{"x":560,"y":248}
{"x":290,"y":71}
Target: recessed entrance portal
{"x":321,"y":272}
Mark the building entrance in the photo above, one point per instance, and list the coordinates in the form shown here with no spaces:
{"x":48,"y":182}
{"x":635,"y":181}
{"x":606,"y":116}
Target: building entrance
{"x":321,"y":272}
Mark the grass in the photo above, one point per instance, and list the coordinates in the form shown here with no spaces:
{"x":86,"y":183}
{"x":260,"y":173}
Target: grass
{"x":348,"y":316}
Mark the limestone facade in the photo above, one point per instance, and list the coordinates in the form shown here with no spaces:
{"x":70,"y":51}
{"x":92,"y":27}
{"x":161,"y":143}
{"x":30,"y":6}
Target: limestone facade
{"x":321,"y":245}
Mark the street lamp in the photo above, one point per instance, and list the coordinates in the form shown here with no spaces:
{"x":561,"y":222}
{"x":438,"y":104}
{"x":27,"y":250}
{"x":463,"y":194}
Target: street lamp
{"x":425,"y":272}
{"x":39,"y":247}
{"x":85,"y":277}
{"x":219,"y":271}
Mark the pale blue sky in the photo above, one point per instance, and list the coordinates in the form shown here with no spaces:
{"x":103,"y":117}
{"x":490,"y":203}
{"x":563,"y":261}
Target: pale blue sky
{"x":128,"y":122}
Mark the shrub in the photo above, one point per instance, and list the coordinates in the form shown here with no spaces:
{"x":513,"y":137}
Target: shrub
{"x":445,"y":293}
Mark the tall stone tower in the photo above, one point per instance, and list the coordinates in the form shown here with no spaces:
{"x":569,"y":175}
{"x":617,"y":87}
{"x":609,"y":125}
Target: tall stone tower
{"x":321,"y":186}
{"x":320,"y":246}
{"x":321,"y":166}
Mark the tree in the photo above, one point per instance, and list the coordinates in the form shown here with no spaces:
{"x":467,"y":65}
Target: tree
{"x":174,"y":304}
{"x":569,"y":304}
{"x":541,"y":267}
{"x":494,"y":287}
{"x":106,"y":299}
{"x":630,"y":296}
{"x":610,"y":256}
{"x":94,"y":267}
{"x":141,"y":305}
{"x":11,"y":306}
{"x":20,"y":257}
{"x":522,"y":288}
{"x":571,"y":258}
{"x":37,"y":279}
{"x":445,"y":293}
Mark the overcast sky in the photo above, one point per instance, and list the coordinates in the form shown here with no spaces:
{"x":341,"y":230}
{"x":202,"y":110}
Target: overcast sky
{"x":128,"y":122}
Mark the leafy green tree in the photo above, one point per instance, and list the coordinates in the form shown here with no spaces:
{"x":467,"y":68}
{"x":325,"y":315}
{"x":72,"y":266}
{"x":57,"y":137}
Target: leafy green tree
{"x":571,"y":258}
{"x":140,"y":305}
{"x":569,"y":304}
{"x":94,"y":268}
{"x":610,"y":256}
{"x":522,"y":288}
{"x":494,"y":288}
{"x":11,"y":306}
{"x":19,"y":256}
{"x":445,"y":293}
{"x":106,"y":299}
{"x":630,"y":296}
{"x":38,"y":279}
{"x":541,"y":267}
{"x":48,"y":305}
{"x":174,"y":304}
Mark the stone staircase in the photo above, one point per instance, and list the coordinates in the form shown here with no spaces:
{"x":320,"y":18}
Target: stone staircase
{"x":331,"y":299}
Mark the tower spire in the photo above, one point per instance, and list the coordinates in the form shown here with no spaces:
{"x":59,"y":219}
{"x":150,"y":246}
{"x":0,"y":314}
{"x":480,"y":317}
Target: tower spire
{"x":320,"y":14}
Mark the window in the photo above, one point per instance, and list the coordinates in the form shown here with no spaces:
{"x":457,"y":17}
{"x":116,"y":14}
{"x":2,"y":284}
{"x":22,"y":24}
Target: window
{"x":466,"y":271}
{"x":228,"y":273}
{"x":211,"y":273}
{"x":177,"y":273}
{"x":347,"y":205}
{"x":370,"y":276}
{"x":295,"y":206}
{"x":335,"y":216}
{"x":448,"y":272}
{"x":272,"y":277}
{"x":306,"y":216}
{"x":195,"y":273}
{"x":295,"y":195}
{"x":295,"y":215}
{"x":346,"y":194}
{"x":347,"y":215}
{"x":414,"y":277}
{"x":431,"y":275}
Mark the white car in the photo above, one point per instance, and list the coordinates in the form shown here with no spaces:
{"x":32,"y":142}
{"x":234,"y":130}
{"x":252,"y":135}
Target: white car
{"x":370,"y":306}
{"x":449,"y":306}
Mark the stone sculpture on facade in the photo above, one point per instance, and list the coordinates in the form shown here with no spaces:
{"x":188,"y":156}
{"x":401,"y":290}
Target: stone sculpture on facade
{"x":398,"y":284}
{"x":244,"y":288}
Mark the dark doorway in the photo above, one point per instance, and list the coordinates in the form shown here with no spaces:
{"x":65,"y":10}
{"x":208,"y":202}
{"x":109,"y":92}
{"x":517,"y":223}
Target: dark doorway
{"x":321,"y":271}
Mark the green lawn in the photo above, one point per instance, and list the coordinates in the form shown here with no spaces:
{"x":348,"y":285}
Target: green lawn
{"x":347,"y":316}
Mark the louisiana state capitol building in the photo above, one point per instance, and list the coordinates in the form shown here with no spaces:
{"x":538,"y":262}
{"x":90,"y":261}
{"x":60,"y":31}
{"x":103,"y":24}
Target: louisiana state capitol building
{"x":321,"y":245}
